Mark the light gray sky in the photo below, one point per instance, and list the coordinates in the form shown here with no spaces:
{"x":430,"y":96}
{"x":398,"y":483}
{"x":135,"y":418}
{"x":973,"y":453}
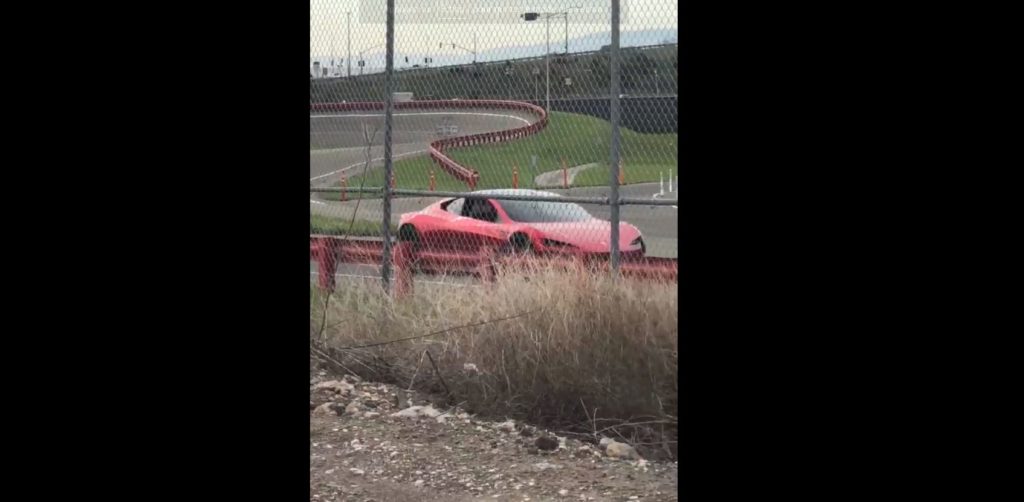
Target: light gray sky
{"x":495,"y":25}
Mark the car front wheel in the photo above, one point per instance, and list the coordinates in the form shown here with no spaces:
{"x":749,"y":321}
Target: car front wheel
{"x":520,"y":244}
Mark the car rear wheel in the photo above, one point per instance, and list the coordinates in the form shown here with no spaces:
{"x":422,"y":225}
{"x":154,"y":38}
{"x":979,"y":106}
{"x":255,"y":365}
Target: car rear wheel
{"x":408,"y":233}
{"x":520,"y":244}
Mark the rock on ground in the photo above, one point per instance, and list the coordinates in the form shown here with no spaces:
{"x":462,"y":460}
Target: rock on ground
{"x":615,"y":449}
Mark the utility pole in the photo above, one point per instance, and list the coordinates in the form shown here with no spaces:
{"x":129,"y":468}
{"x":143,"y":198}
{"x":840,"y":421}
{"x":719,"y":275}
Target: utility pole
{"x":349,"y":30}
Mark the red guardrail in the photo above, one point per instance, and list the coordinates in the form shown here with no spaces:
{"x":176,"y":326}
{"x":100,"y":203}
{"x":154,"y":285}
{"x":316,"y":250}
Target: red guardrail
{"x":329,"y":251}
{"x":437,"y":148}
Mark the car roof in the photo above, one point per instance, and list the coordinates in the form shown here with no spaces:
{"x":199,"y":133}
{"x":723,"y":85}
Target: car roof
{"x":514,"y":191}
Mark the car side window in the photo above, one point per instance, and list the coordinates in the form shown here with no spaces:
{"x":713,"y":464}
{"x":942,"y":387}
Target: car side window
{"x":480,"y":209}
{"x":455,"y":207}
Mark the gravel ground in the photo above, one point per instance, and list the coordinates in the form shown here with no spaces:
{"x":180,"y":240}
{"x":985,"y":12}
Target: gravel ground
{"x":376,"y":442}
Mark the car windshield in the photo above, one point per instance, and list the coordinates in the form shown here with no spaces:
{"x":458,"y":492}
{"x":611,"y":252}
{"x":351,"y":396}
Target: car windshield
{"x":543,"y":212}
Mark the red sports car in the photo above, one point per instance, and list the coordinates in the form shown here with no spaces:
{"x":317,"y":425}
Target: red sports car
{"x":521,"y":226}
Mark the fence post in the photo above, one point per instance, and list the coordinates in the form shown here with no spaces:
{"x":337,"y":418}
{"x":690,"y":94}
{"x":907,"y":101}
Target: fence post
{"x":389,"y":105}
{"x":404,"y":258}
{"x":615,"y":160}
{"x":344,"y":187}
{"x":325,"y":251}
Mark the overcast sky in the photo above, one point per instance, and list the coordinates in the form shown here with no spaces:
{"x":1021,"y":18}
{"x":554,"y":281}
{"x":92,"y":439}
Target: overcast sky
{"x":421,"y":25}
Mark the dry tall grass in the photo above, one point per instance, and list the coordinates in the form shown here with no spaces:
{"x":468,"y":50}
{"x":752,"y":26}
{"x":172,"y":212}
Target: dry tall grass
{"x":584,"y":354}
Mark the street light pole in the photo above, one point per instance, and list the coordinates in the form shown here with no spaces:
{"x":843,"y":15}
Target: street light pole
{"x":547,"y":70}
{"x":533,"y":16}
{"x":349,"y":30}
{"x":334,"y":69}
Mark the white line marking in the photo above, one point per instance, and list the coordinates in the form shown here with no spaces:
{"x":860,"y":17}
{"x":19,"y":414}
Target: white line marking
{"x":481,"y":114}
{"x":326,"y":151}
{"x":316,"y":202}
{"x":346,"y":168}
{"x":657,"y":196}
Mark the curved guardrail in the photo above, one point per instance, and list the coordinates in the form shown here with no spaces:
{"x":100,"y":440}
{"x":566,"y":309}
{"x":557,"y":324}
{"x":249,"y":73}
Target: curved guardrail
{"x":437,"y":148}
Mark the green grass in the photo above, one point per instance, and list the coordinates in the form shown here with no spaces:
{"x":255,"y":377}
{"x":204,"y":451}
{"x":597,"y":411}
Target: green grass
{"x":578,"y":139}
{"x":319,"y":224}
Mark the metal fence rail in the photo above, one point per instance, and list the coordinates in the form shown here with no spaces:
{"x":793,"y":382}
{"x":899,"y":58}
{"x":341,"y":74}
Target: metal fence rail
{"x":331,"y":251}
{"x":601,"y":201}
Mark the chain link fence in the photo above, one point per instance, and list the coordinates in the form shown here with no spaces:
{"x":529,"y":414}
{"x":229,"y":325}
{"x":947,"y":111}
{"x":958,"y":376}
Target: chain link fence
{"x":515,"y":160}
{"x":442,"y":130}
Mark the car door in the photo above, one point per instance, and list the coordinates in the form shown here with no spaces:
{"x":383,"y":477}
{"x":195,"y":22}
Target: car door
{"x":479,"y":223}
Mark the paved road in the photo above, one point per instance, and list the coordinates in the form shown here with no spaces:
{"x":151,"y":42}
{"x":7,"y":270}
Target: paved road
{"x":337,"y":141}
